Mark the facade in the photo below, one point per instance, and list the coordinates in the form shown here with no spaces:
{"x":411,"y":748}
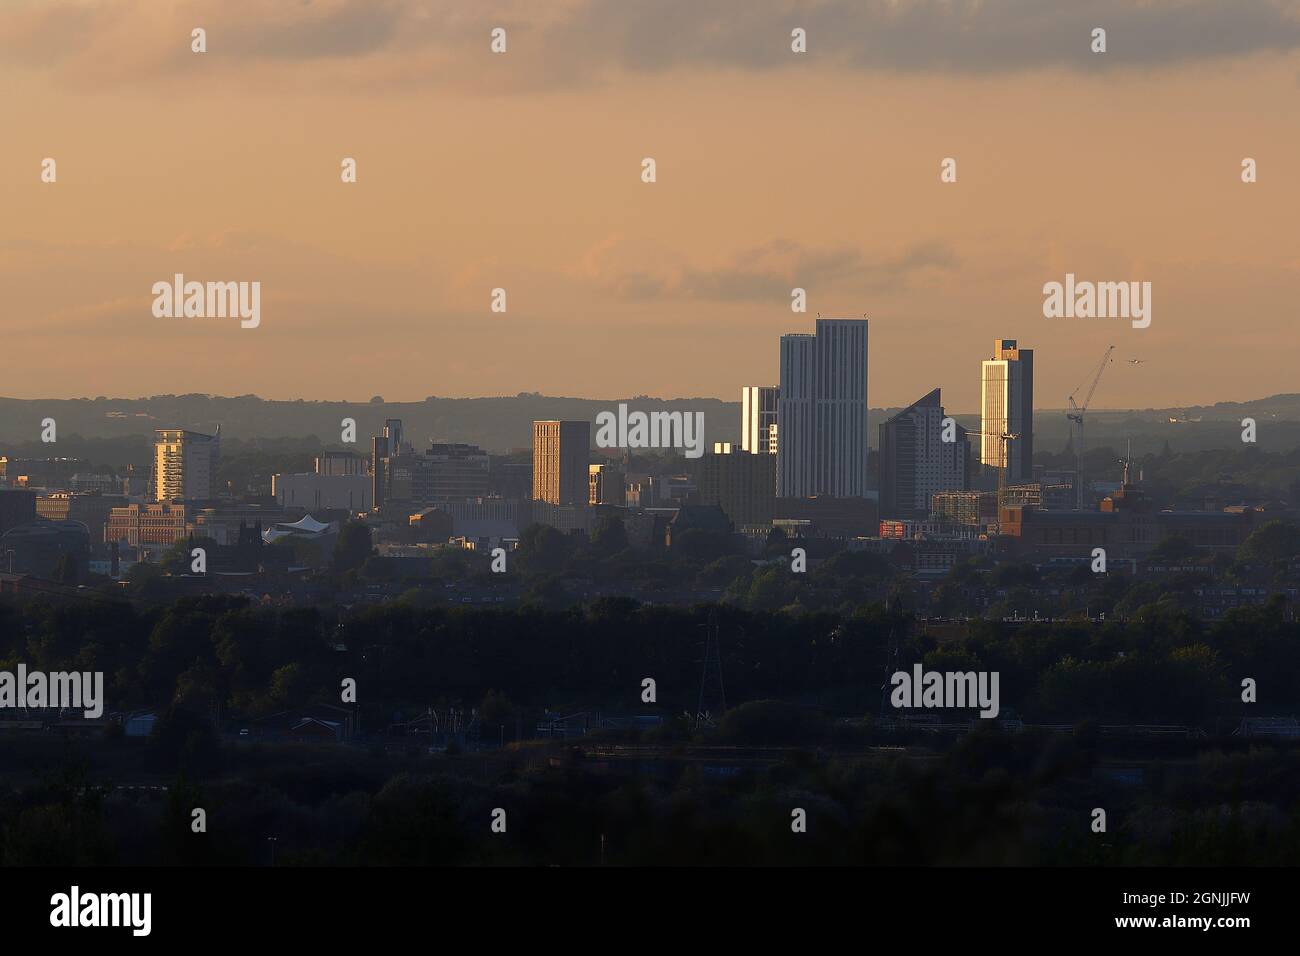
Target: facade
{"x":577,"y":517}
{"x":1126,"y":526}
{"x":510,"y":479}
{"x":446,"y":472}
{"x":908,"y":530}
{"x":643,"y":493}
{"x":560,"y":458}
{"x":401,"y":476}
{"x":605,"y":486}
{"x":50,"y":473}
{"x":741,"y":483}
{"x":827,"y":517}
{"x":822,"y":411}
{"x":158,"y":524}
{"x":973,"y":508}
{"x":185,"y":464}
{"x":17,"y":506}
{"x":315,"y":492}
{"x":342,"y":463}
{"x":1052,"y":497}
{"x":89,"y":482}
{"x":38,"y":548}
{"x":1007,"y":408}
{"x":453,"y":471}
{"x":92,"y":510}
{"x":514,"y":511}
{"x":758,"y":411}
{"x":916,"y":463}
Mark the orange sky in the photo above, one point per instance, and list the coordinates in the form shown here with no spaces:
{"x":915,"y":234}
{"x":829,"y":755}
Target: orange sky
{"x":522,"y":171}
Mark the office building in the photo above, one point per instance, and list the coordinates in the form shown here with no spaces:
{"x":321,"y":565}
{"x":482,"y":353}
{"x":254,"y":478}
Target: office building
{"x":316,"y":492}
{"x":741,"y":483}
{"x":402,"y":477}
{"x":973,"y":508}
{"x":822,"y":411}
{"x":342,"y":463}
{"x":560,"y":457}
{"x":155,"y":524}
{"x":1007,"y":408}
{"x":916,"y":463}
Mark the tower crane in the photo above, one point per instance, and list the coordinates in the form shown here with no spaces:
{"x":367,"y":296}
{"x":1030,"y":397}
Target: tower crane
{"x":1003,"y":464}
{"x":1075,"y":415}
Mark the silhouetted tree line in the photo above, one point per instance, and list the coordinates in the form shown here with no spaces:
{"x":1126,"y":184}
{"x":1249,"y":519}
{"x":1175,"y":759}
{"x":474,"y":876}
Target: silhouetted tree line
{"x":229,"y":656}
{"x":989,"y":798}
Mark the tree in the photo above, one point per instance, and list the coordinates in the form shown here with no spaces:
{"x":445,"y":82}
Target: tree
{"x":1273,"y":541}
{"x":1172,"y":548}
{"x":547,"y":591}
{"x":183,"y":739}
{"x":543,"y":548}
{"x":610,"y":536}
{"x":66,"y":571}
{"x":353,"y":546}
{"x":496,"y":709}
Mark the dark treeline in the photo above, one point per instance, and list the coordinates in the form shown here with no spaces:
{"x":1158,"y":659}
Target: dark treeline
{"x":990,"y":798}
{"x":228,"y":655}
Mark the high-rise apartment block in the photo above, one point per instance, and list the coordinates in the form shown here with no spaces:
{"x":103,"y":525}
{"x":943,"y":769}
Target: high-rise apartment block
{"x":185,"y":464}
{"x":822,"y":411}
{"x":915,"y":461}
{"x":560,"y":457}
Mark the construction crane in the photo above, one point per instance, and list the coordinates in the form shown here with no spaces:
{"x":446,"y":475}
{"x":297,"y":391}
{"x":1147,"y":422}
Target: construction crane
{"x":1003,"y":463}
{"x":1075,"y":415}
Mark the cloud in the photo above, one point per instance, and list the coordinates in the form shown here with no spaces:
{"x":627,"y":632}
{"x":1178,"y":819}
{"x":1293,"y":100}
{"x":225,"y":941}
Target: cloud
{"x":639,"y":271}
{"x":420,"y":43}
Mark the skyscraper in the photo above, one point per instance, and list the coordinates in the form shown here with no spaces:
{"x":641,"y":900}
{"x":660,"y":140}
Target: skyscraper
{"x":757,"y":415}
{"x":916,"y":463}
{"x":1007,"y":404}
{"x":560,"y":457}
{"x":822,"y":411}
{"x":185,"y":464}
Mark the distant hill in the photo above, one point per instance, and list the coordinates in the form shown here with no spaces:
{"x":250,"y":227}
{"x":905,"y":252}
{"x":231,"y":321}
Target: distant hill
{"x":503,"y":423}
{"x":496,"y":424}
